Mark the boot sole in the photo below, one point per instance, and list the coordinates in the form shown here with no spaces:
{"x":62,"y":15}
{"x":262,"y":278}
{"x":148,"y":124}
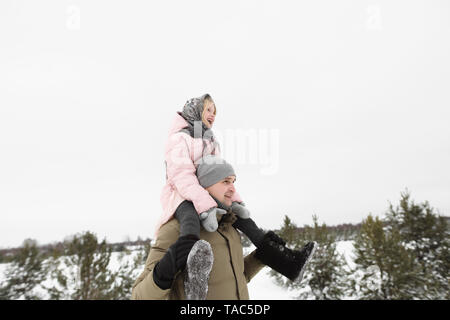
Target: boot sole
{"x":300,"y":276}
{"x":198,"y":268}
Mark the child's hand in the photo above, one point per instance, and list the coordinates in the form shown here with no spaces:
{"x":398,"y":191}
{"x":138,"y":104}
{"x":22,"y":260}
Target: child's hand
{"x":209,"y":219}
{"x":240,"y":210}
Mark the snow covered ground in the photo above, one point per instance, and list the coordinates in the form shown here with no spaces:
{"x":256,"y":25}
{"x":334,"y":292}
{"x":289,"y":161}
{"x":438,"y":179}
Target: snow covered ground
{"x":262,"y":286}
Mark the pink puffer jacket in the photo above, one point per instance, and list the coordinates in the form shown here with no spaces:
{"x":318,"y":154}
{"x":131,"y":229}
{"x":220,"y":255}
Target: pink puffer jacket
{"x":181,"y":153}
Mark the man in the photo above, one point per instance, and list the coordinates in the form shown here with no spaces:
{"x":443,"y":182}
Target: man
{"x":220,"y":252}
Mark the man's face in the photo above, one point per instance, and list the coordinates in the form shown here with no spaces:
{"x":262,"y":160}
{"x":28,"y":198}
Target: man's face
{"x":223,"y":190}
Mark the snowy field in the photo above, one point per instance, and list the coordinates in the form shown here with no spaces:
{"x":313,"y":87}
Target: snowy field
{"x":262,"y":286}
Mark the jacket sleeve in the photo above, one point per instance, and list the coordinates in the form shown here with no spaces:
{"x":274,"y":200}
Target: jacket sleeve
{"x":252,"y":266}
{"x":144,"y":288}
{"x":181,"y":172}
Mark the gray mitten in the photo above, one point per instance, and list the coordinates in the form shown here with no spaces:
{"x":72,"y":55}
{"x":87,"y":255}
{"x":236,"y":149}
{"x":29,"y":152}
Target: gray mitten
{"x":198,"y":267}
{"x":240,"y":210}
{"x":209,"y":219}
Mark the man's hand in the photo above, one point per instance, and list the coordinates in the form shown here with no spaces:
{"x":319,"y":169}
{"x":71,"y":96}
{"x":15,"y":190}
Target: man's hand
{"x":173,"y":261}
{"x":240,"y":210}
{"x":209,"y":219}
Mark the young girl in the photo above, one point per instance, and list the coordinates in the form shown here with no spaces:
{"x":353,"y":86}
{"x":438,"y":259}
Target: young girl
{"x":190,"y":141}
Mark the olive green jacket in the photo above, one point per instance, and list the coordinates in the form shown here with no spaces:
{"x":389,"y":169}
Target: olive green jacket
{"x":229,"y":275}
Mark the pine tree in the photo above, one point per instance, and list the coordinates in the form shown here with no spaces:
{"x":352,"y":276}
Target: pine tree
{"x":289,"y":232}
{"x":386,"y":269}
{"x":425,"y":232}
{"x":82,"y":273}
{"x":25,"y":273}
{"x":126,"y":274}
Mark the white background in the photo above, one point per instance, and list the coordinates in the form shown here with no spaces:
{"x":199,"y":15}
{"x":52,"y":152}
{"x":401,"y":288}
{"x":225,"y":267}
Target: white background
{"x":358,"y":92}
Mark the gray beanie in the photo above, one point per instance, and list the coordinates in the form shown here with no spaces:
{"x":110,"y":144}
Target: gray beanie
{"x":213,"y":169}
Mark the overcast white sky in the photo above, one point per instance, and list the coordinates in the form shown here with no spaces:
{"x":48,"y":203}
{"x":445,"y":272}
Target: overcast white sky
{"x":353,"y":98}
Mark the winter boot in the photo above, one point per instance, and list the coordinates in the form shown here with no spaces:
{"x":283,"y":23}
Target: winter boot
{"x":290,"y":263}
{"x":199,"y":264}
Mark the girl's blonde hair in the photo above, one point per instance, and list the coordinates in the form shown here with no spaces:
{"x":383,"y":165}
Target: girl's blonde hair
{"x":206,"y":103}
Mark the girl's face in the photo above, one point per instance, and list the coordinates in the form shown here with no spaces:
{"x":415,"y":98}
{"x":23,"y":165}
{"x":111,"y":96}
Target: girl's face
{"x":209,"y":114}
